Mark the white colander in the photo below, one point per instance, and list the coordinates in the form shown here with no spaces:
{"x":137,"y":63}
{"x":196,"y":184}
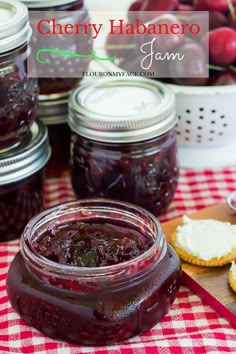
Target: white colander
{"x":206,"y":128}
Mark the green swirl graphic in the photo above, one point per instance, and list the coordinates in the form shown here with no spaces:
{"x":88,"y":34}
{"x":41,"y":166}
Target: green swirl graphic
{"x":70,"y":54}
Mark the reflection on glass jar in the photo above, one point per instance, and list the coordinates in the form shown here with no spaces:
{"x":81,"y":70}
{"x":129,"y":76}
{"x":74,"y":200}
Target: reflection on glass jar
{"x":93,"y":303}
{"x":53,"y":78}
{"x":22,"y":182}
{"x":18,"y":93}
{"x":54,"y":115}
{"x":123,"y":142}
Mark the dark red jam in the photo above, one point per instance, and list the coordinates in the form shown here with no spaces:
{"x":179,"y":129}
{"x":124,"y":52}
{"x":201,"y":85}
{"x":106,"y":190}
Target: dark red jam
{"x":144,"y":173}
{"x":103,"y":278}
{"x":59,"y":139}
{"x":49,"y":83}
{"x":91,"y":245}
{"x":19,"y":202}
{"x":90,"y":315}
{"x":18,"y":97}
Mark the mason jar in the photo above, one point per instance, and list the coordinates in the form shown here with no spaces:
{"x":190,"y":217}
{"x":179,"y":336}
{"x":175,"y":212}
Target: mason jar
{"x":54,"y":115}
{"x":50,"y":84}
{"x":123,"y":142}
{"x":93,"y":272}
{"x":18,"y":92}
{"x":22,"y":182}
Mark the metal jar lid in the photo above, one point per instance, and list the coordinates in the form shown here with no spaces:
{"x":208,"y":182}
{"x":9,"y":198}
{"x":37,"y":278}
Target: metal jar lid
{"x":53,"y":112}
{"x":122,"y":110}
{"x":14,"y":25}
{"x":46,"y":3}
{"x":27,"y":158}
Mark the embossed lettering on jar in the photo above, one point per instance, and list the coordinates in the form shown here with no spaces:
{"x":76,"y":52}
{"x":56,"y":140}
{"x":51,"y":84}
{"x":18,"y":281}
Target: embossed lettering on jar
{"x":22,"y":182}
{"x":123,"y":142}
{"x":50,"y":83}
{"x":18,"y":93}
{"x":65,"y":286}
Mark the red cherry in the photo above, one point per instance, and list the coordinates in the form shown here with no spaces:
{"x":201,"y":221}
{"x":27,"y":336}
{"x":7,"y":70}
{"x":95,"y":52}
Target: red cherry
{"x":135,"y":6}
{"x":219,"y":5}
{"x":194,"y":65}
{"x":232,"y":19}
{"x":200,"y":5}
{"x":169,"y":41}
{"x":128,"y":47}
{"x":212,"y":5}
{"x":185,"y":7}
{"x":223,"y":78}
{"x":158,"y":5}
{"x":133,"y":9}
{"x":222,"y":46}
{"x":217,"y":19}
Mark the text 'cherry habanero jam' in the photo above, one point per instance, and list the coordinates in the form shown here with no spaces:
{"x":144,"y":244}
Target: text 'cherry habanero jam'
{"x":93,"y":271}
{"x":123,"y":142}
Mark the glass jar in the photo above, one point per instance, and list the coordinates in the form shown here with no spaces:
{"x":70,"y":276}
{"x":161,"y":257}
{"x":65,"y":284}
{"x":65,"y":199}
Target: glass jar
{"x":56,"y":87}
{"x":124,"y":143}
{"x":94,"y":305}
{"x":18,"y":93}
{"x":22,"y":182}
{"x":54,"y":115}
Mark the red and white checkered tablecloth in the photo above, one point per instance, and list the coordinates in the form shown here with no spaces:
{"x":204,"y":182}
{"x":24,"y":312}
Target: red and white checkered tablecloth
{"x":191,"y":325}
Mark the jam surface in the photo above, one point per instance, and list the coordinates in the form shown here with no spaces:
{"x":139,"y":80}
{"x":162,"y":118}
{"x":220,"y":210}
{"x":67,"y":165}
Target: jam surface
{"x":91,"y":244}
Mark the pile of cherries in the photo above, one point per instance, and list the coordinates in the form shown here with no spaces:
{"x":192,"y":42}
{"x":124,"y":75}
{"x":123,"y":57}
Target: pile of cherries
{"x":221,"y":38}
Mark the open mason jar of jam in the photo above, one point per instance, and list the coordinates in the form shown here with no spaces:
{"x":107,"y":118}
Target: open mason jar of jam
{"x":18,"y":93}
{"x":124,"y":143}
{"x":54,"y":115}
{"x":50,"y":84}
{"x":93,"y":272}
{"x":22,"y":182}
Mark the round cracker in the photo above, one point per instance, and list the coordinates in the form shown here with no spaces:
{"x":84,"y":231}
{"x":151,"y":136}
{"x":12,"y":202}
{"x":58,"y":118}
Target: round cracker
{"x":214,"y":262}
{"x":232,"y":281}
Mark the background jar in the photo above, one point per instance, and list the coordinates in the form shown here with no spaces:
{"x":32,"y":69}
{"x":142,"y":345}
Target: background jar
{"x":18,"y":93}
{"x":22,"y":182}
{"x":123,"y":142}
{"x":97,"y":305}
{"x":54,"y":115}
{"x":50,"y":85}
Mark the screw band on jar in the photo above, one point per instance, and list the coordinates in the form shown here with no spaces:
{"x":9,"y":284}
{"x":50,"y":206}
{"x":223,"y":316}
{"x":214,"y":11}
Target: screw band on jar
{"x":48,"y":3}
{"x":14,"y":25}
{"x":98,"y":111}
{"x":27,"y":158}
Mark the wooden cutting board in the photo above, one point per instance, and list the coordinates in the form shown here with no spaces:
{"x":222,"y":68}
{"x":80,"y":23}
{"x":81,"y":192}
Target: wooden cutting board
{"x":210,"y":283}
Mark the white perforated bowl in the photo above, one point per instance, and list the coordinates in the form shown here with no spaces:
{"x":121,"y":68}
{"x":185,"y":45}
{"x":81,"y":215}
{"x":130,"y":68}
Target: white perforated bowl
{"x":206,"y":129}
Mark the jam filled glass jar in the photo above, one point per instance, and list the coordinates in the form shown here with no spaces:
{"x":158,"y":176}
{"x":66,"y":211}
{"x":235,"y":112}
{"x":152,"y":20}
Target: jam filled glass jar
{"x":18,"y":93}
{"x":124,"y":143}
{"x":54,"y":115}
{"x":50,"y":84}
{"x":22,"y":182}
{"x":93,"y":272}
